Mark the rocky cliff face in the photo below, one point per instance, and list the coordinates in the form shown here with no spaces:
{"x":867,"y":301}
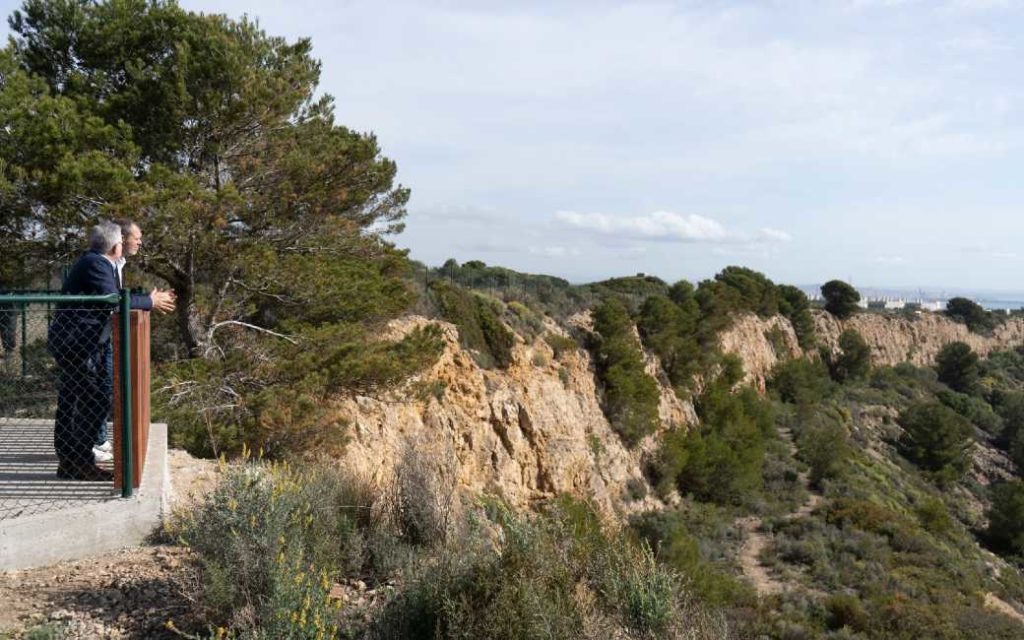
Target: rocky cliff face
{"x":531,"y":432}
{"x":762,"y":343}
{"x":537,"y":429}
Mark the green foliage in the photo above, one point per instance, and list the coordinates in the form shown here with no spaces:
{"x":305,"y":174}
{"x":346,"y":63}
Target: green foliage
{"x":480,"y":328}
{"x":970,"y":313}
{"x":934,"y":516}
{"x":275,"y":398}
{"x":853,"y":362}
{"x":840,"y":298}
{"x":555,"y":576}
{"x":794,"y":304}
{"x":722,"y":461}
{"x":846,"y":611}
{"x":1006,"y":517}
{"x":743,"y":289}
{"x":560,"y":344}
{"x":265,"y":216}
{"x":256,"y":546}
{"x":974,"y":409}
{"x":823,"y":444}
{"x":936,"y":439}
{"x":630,"y":394}
{"x":801,"y":381}
{"x":1009,"y":405}
{"x":669,"y":329}
{"x":677,"y":542}
{"x":957,"y":366}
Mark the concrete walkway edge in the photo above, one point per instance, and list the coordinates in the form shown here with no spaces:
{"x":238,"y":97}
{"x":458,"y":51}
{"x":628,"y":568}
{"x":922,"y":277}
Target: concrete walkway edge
{"x":94,"y":528}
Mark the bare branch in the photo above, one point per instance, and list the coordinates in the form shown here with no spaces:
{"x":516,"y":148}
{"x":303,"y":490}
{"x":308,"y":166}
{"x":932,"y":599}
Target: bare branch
{"x":249,"y":326}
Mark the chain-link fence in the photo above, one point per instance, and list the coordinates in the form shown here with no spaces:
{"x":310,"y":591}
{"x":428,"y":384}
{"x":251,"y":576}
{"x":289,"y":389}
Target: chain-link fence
{"x":56,"y":401}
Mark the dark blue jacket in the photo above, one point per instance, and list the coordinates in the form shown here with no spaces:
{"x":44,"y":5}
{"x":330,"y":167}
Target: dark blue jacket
{"x":78,"y":329}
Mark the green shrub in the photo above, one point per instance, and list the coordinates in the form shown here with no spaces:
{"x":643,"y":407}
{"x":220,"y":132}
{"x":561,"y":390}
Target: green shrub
{"x":846,"y":611}
{"x":480,"y":328}
{"x":721,"y":461}
{"x":957,"y":366}
{"x":934,"y":516}
{"x":498,"y":339}
{"x":670,"y":331}
{"x":560,"y":344}
{"x":793,"y":304}
{"x":554,"y":576}
{"x":669,"y":534}
{"x":630,"y":394}
{"x":974,"y":409}
{"x":1006,"y":517}
{"x":936,"y":439}
{"x":823,"y":444}
{"x":252,"y":539}
{"x":800,"y":381}
{"x":853,"y":362}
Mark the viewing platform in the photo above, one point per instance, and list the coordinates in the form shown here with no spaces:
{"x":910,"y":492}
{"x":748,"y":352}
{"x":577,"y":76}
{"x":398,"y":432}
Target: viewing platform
{"x":46,"y":519}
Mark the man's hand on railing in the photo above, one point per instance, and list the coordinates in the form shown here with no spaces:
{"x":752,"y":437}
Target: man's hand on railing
{"x":163,"y":300}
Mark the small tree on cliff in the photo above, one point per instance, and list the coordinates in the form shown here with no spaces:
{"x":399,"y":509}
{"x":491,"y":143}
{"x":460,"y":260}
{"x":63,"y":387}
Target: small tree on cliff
{"x":840,"y":298}
{"x":936,"y":439}
{"x":853,"y":362}
{"x":957,"y":366}
{"x":970,"y":313}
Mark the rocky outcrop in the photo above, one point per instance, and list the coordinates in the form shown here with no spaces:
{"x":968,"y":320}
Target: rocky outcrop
{"x":528,"y":433}
{"x":917,"y":339}
{"x":537,"y":430}
{"x":761,"y":343}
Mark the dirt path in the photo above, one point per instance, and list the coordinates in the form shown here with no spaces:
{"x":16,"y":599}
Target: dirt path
{"x":995,"y":603}
{"x":749,"y":557}
{"x":756,"y":541}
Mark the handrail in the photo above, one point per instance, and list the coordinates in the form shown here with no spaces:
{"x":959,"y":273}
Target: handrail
{"x":29,"y":298}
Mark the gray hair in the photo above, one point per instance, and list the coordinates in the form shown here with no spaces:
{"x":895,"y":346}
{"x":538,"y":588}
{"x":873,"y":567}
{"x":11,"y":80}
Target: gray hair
{"x":104,"y":237}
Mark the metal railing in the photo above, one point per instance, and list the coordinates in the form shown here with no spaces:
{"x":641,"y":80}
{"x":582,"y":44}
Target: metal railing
{"x":57,"y":363}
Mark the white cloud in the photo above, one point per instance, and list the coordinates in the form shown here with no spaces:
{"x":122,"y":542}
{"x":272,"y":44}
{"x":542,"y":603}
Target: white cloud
{"x":659,"y":225}
{"x":890,"y":260}
{"x":775,"y":235}
{"x":554,"y":251}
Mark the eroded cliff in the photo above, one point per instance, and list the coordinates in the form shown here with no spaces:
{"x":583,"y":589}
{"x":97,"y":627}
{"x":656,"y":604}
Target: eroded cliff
{"x":537,"y":429}
{"x":533,"y":431}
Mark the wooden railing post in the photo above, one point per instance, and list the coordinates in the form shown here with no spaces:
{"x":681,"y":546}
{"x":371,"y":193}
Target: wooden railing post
{"x":140,"y":386}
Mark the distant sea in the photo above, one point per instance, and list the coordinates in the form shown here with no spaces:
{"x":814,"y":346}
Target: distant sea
{"x":992,"y":300}
{"x":1000,"y":304}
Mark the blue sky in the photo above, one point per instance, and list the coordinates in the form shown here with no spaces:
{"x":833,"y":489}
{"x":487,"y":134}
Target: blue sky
{"x":880,"y":141}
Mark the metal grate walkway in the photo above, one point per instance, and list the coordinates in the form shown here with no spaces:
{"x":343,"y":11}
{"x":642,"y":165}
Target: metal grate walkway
{"x":28,"y":473}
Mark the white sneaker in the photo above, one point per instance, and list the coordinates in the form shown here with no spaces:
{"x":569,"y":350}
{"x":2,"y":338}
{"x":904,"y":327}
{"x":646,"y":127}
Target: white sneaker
{"x":107,"y":447}
{"x":101,"y":456}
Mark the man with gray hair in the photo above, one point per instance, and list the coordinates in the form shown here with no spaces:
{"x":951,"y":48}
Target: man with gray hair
{"x":78,"y":339}
{"x":160,"y":300}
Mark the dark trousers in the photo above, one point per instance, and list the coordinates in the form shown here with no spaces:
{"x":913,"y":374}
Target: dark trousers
{"x":108,"y":361}
{"x":83,"y":401}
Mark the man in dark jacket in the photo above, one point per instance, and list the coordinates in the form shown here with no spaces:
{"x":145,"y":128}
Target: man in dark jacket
{"x":78,"y":339}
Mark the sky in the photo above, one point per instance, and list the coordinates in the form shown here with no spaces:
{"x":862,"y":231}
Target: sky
{"x":877,"y":141}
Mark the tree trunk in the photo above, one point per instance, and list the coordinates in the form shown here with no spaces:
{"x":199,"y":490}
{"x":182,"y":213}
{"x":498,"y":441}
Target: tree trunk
{"x":190,"y":328}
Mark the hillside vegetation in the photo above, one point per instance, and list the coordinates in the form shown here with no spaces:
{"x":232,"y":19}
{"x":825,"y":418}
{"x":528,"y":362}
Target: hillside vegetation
{"x":845,"y":500}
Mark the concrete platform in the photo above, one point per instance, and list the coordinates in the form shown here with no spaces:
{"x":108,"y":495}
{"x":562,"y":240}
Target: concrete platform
{"x":45,"y":520}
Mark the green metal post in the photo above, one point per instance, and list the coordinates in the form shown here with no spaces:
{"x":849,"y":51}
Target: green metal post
{"x":24,"y":342}
{"x":127,"y":475}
